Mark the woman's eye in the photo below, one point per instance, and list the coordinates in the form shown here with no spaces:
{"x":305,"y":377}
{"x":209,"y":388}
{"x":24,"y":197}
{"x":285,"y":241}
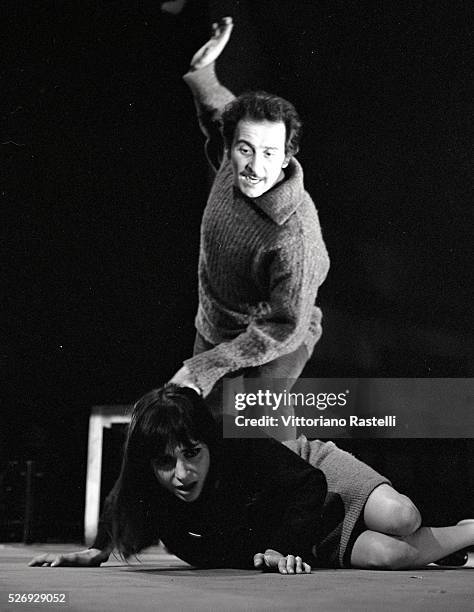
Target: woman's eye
{"x":165,"y":463}
{"x":192,"y":452}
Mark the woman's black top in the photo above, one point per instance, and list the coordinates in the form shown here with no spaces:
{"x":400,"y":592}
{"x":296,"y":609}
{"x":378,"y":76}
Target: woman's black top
{"x":258,"y":494}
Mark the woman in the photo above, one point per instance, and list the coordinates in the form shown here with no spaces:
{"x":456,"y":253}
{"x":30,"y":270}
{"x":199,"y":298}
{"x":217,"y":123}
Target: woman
{"x":247,"y":503}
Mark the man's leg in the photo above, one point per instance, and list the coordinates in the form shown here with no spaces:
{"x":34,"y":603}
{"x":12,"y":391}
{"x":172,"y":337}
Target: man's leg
{"x":278,"y":376}
{"x":373,"y":550}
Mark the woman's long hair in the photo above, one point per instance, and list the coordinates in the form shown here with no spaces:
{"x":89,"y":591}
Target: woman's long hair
{"x":161,"y":420}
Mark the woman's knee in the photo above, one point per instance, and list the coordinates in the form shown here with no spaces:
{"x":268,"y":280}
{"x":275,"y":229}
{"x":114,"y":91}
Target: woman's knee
{"x":406,"y":517}
{"x":388,"y":511}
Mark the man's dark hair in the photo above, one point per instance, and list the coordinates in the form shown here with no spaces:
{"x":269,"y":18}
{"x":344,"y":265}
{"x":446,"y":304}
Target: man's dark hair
{"x":259,"y":106}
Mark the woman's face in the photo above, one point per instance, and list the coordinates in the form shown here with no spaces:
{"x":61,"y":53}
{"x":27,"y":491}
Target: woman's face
{"x":183,"y":471}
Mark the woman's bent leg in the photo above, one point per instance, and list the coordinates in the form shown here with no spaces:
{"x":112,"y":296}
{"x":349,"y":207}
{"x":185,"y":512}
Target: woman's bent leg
{"x":374,"y":550}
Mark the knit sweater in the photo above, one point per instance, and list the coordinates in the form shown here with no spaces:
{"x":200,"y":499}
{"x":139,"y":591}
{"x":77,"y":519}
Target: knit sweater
{"x":261,"y":259}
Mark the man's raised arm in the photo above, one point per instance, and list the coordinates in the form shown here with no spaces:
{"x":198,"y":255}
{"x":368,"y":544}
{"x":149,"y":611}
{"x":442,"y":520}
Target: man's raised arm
{"x":210,"y":96}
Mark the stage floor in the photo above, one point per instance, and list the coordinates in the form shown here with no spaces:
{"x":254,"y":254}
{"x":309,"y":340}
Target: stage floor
{"x":163,"y":582}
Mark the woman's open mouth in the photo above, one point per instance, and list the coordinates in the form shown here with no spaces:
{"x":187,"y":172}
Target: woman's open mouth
{"x":186,"y":488}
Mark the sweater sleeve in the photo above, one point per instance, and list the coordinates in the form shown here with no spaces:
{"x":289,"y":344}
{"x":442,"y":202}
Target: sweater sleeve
{"x":296,"y":270}
{"x":210,"y":98}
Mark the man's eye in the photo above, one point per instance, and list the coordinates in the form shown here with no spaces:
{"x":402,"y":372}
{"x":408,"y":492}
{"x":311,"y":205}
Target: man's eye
{"x":244,"y":150}
{"x":269,"y":153}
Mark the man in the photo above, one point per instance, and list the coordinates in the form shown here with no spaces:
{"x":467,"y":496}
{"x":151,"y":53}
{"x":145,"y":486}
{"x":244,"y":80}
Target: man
{"x":262,"y":255}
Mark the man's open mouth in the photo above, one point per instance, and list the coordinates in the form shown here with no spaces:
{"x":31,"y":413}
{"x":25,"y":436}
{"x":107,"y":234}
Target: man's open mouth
{"x":252,"y":180}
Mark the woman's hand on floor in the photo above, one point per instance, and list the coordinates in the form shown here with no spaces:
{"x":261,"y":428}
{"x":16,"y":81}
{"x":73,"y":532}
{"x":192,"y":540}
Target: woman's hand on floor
{"x":91,"y":557}
{"x":272,"y":560}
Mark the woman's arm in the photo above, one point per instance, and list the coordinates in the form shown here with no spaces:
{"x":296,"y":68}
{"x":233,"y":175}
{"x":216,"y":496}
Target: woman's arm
{"x":291,"y":498}
{"x":91,"y":557}
{"x":94,"y":556}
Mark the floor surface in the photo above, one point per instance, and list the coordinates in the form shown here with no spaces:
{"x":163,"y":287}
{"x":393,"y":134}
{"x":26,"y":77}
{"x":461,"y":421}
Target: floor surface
{"x":163,"y":582}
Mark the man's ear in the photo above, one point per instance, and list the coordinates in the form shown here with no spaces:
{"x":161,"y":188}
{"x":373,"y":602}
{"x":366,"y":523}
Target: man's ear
{"x":286,"y":161}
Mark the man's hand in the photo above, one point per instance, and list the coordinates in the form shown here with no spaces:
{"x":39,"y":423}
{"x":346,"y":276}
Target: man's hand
{"x":274,"y":561}
{"x":174,"y":7}
{"x":209,"y":52}
{"x":92,"y":557}
{"x":183,"y":378}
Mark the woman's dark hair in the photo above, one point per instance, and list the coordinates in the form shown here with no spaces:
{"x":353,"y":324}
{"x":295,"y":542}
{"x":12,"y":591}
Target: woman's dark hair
{"x":259,"y":106}
{"x":161,"y":420}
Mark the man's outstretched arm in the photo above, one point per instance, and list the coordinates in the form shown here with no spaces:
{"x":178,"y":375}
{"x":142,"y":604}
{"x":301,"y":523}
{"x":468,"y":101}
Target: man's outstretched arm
{"x":209,"y":52}
{"x":210,"y":96}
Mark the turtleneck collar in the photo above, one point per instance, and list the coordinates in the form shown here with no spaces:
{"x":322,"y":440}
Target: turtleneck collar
{"x":281,"y":201}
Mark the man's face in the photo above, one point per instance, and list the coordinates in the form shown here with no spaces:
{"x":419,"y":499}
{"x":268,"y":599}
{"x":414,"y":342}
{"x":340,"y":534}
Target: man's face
{"x":183,"y":471}
{"x":258,"y":155}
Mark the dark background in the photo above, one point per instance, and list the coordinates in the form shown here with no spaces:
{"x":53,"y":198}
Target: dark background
{"x":104,"y":183}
